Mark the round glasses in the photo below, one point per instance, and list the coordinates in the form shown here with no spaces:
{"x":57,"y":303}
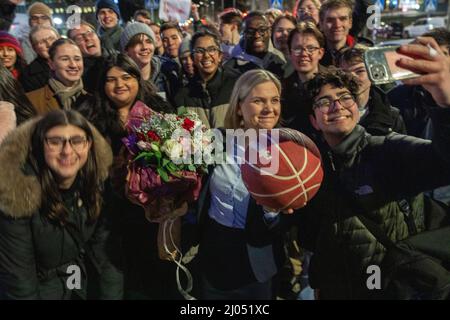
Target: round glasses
{"x":57,"y":144}
{"x":324,"y":104}
{"x":309,"y":50}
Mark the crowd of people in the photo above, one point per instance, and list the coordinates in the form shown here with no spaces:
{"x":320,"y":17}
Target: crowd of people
{"x":65,"y":101}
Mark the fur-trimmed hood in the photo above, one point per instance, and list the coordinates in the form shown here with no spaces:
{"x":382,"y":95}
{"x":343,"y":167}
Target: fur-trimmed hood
{"x":7,"y":119}
{"x":20,"y":192}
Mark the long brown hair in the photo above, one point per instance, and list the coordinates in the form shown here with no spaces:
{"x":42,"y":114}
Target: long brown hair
{"x":89,"y":184}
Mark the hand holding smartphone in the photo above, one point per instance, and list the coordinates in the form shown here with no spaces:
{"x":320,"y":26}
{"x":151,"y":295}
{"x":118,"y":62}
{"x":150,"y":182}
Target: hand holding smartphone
{"x":381,"y":65}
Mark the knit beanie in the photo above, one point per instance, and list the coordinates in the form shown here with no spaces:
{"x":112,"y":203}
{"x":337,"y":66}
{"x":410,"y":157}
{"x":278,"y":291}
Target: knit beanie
{"x":40,"y":8}
{"x":132,"y":29}
{"x":7,"y":40}
{"x":109,"y":4}
{"x":185,"y":46}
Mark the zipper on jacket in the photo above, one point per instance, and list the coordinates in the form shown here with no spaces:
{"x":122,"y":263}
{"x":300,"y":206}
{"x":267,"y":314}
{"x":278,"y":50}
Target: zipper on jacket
{"x":330,"y":156}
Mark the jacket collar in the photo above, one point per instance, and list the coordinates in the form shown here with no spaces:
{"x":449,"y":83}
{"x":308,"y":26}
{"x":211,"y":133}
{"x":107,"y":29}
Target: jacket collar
{"x":349,"y":148}
{"x":20,"y":190}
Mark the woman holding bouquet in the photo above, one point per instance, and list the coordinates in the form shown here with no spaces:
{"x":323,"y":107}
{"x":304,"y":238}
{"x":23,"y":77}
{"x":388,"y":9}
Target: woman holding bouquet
{"x":120,"y":87}
{"x":53,"y":234}
{"x":235,"y":265}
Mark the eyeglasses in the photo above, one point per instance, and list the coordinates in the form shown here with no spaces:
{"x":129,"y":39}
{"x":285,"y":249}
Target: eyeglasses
{"x":252,"y":32}
{"x":84,"y":36}
{"x":309,"y":50}
{"x":324,"y":104}
{"x":201,"y":51}
{"x":46,"y":41}
{"x":57,"y":144}
{"x":35,"y":18}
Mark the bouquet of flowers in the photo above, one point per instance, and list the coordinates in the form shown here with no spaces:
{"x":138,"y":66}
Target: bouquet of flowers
{"x":161,"y":161}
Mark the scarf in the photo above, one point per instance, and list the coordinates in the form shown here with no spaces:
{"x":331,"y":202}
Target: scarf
{"x":66,"y":95}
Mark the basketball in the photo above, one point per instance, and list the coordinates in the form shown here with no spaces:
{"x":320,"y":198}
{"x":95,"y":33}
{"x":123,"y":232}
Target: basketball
{"x":286,"y":174}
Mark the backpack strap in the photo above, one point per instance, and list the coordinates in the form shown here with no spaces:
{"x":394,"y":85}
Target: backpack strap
{"x":405,"y":207}
{"x":377,"y":232}
{"x":83,"y":247}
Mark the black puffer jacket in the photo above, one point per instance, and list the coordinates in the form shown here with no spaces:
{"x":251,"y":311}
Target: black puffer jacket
{"x":209,"y":100}
{"x":367,"y":175}
{"x":35,"y":75}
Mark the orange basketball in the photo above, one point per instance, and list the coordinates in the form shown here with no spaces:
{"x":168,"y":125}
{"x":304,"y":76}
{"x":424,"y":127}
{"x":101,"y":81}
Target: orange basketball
{"x":287,"y":174}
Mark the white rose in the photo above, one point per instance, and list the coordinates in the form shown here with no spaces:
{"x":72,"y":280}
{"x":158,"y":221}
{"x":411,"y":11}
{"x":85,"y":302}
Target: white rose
{"x":173,"y":149}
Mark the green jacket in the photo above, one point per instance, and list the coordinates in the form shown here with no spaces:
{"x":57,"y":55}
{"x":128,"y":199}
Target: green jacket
{"x":36,"y":255}
{"x":368,"y":175}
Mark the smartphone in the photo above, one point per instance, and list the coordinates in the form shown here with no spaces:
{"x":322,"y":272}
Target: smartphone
{"x":381,"y":65}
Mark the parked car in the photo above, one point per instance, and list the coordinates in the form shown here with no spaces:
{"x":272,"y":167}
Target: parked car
{"x":424,"y":25}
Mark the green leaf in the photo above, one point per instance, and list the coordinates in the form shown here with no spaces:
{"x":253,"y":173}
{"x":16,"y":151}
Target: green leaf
{"x":163,"y":174}
{"x":191,"y":167}
{"x":165,"y":162}
{"x":145,"y":155}
{"x":158,"y":154}
{"x":172,"y":166}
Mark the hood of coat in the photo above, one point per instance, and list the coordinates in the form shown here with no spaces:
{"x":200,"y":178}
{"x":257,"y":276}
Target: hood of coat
{"x":20,"y":190}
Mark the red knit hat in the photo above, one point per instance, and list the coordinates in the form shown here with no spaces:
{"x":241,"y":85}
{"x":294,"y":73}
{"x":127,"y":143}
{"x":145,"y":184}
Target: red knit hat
{"x":7,"y":40}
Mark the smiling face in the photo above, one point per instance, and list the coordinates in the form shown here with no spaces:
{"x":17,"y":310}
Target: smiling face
{"x":8,"y":57}
{"x":306,"y":63}
{"x":142,"y":51}
{"x":281,"y":34}
{"x":66,"y":159}
{"x":121,"y":87}
{"x":171,"y":40}
{"x":206,"y":62}
{"x":87,"y":40}
{"x":257,"y":36}
{"x":338,"y":122}
{"x":261,"y":108}
{"x":67,"y":64}
{"x":42,"y":40}
{"x":107,"y":18}
{"x":336,"y":25}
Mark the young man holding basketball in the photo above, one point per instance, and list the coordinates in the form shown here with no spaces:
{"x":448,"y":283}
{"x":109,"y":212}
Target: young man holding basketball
{"x":379,"y":177}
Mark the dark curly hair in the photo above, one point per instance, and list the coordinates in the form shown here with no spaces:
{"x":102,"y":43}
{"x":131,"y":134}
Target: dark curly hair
{"x":334,"y":77}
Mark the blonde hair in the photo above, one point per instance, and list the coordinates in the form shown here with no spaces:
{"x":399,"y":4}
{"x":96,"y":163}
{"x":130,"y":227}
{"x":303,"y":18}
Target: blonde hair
{"x":242,"y":89}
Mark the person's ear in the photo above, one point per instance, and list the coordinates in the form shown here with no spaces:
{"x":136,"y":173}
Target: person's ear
{"x":321,"y":53}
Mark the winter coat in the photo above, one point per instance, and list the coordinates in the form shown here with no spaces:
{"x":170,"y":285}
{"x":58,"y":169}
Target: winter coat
{"x":381,"y":118}
{"x":35,"y":75}
{"x":296,"y":102}
{"x":331,"y":56}
{"x":210,"y":101}
{"x":242,"y":62}
{"x":368,"y":175}
{"x":165,"y":77}
{"x":35,"y":253}
{"x":44,"y":100}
